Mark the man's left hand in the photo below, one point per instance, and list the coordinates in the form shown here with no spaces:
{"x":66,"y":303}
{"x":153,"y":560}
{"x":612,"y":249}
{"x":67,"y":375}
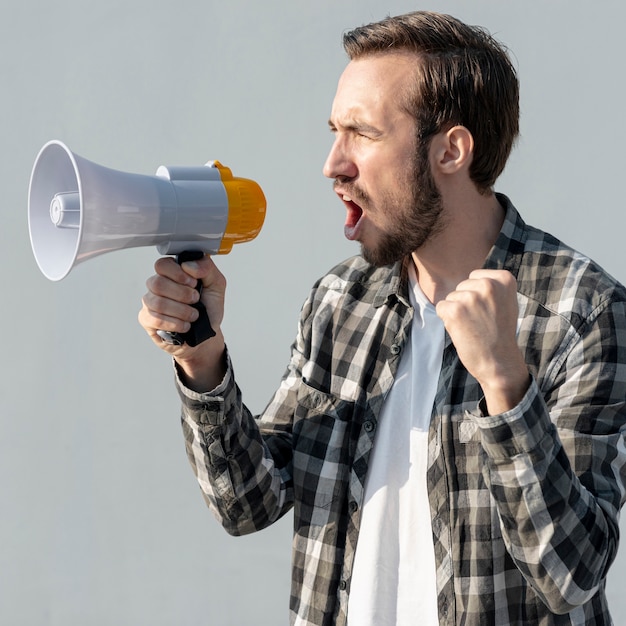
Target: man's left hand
{"x":480,"y":316}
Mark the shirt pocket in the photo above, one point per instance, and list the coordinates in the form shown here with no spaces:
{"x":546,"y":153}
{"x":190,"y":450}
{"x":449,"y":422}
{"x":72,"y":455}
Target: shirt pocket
{"x":467,"y":462}
{"x":321,"y":451}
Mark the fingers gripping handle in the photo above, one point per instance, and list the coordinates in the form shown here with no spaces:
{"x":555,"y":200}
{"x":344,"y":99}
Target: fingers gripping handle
{"x":201,"y":329}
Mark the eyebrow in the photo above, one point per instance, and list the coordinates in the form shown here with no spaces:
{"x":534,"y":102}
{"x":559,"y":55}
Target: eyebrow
{"x":355,"y":125}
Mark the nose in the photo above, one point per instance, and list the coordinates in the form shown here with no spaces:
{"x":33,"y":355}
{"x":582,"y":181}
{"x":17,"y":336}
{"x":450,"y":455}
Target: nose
{"x":339,"y":162}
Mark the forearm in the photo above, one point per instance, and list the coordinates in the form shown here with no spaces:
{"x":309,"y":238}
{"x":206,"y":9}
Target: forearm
{"x":245,"y":487}
{"x":561,"y":535}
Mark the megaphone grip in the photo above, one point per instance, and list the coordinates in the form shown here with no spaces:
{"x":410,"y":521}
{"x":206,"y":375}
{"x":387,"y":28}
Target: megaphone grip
{"x":201,"y":329}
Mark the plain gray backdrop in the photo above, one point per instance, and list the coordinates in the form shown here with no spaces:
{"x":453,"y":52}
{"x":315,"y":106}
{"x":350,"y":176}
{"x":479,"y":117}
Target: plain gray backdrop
{"x":101,"y":520}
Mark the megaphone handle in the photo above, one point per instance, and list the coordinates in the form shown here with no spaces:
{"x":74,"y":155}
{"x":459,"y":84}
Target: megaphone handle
{"x":201,"y":329}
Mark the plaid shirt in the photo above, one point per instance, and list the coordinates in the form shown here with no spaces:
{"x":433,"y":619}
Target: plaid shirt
{"x":524,"y":505}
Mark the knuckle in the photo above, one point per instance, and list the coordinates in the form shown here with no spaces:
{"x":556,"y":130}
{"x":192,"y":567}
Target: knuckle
{"x":160,"y":285}
{"x":150,"y":282}
{"x":147,"y":302}
{"x":510,"y":280}
{"x":162,"y":264}
{"x":488,"y":286}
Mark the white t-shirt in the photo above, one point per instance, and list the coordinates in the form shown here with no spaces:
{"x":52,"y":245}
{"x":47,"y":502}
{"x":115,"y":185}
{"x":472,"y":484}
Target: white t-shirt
{"x":394,"y":574}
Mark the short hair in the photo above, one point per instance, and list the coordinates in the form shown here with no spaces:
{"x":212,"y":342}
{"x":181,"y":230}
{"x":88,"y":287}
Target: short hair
{"x":463,"y":77}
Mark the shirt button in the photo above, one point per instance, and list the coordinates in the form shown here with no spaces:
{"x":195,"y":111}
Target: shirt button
{"x":353,"y":506}
{"x":395,"y":348}
{"x":342,"y":585}
{"x":369,"y":426}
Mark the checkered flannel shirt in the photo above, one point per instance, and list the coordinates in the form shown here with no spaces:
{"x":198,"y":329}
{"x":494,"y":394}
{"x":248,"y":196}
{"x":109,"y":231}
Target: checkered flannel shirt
{"x":524,"y":505}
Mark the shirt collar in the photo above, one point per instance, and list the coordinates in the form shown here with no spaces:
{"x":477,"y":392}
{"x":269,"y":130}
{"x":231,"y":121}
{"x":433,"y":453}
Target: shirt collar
{"x":507,"y":251}
{"x":396,"y":284}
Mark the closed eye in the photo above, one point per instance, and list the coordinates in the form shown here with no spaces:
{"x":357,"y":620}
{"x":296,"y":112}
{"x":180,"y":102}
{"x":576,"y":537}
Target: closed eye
{"x":358,"y":129}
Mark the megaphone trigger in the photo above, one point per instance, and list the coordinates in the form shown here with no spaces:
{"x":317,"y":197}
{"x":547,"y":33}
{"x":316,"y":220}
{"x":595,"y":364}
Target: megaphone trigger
{"x":201,"y":329}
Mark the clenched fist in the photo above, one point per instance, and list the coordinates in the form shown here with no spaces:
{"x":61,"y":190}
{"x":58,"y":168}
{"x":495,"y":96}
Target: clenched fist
{"x":480,"y":316}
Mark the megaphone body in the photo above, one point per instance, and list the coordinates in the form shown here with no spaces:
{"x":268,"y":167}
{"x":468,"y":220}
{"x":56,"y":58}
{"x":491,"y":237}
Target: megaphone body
{"x":78,"y":210}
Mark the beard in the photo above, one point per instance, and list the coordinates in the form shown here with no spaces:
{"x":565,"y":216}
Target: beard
{"x":419,"y":214}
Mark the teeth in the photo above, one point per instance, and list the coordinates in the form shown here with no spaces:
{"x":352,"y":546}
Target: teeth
{"x":347,"y":198}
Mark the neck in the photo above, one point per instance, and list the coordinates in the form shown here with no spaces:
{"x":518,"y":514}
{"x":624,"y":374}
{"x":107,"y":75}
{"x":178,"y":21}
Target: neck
{"x":471,"y":228}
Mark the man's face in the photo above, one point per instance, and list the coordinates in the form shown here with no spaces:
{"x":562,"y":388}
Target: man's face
{"x":382,"y":176}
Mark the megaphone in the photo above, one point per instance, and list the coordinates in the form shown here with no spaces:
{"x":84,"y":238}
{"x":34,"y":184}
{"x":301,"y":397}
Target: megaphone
{"x":78,"y":210}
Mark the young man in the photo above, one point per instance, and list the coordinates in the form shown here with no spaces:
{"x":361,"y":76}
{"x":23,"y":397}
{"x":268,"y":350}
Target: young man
{"x":450,"y":429}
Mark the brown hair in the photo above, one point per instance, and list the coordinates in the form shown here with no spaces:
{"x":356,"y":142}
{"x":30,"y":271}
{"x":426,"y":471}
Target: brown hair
{"x":463,"y":76}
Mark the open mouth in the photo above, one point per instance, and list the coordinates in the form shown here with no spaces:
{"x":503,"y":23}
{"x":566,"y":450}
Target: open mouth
{"x":354,"y":213}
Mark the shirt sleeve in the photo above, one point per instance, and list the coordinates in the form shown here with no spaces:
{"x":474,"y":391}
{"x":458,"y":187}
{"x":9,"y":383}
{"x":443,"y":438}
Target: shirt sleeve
{"x":556,"y":465}
{"x":242,"y":462}
{"x":243,"y":477}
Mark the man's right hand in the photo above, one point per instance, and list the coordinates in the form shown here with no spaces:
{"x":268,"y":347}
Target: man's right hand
{"x":168,"y":305}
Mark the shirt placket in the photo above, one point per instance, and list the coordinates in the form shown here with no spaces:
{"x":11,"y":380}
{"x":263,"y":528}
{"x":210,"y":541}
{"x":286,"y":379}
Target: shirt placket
{"x":383,"y":377}
{"x":438,"y":489}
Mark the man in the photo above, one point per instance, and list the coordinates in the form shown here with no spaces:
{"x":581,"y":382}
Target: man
{"x":450,"y":429}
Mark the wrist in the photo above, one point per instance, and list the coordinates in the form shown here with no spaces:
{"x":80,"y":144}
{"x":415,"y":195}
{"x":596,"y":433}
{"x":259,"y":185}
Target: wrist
{"x":502,"y":394}
{"x":202,"y":368}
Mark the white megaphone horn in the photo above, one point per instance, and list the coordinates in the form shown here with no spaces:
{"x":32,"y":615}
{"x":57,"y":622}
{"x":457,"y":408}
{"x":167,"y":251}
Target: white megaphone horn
{"x":78,"y":210}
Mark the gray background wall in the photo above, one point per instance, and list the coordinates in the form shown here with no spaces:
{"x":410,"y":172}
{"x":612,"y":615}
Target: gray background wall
{"x":101,"y":521}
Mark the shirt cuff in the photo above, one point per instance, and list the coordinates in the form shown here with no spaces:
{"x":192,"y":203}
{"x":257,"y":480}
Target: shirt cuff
{"x":189,"y":396}
{"x":518,"y":431}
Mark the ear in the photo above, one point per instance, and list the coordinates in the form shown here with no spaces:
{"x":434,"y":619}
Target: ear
{"x":452,"y":150}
